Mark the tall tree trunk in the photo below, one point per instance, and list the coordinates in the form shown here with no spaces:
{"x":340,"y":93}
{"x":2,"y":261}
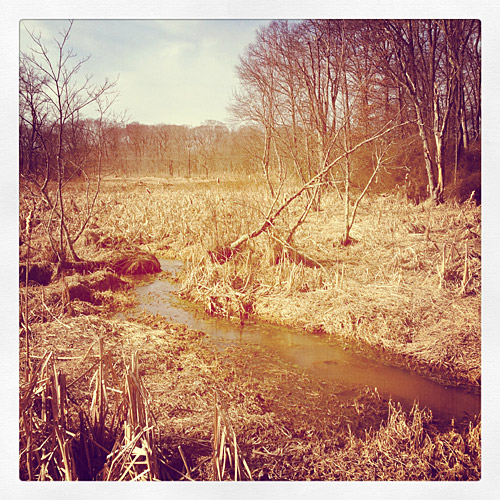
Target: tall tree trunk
{"x":347,"y":144}
{"x":265,"y":160}
{"x":440,"y":167}
{"x":427,"y":155}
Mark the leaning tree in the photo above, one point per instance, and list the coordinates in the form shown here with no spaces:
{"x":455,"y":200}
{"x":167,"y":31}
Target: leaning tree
{"x":301,"y":87}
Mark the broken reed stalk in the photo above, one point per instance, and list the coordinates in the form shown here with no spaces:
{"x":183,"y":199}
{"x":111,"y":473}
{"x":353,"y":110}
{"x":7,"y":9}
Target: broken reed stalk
{"x":45,"y":439}
{"x":134,"y":455}
{"x":27,"y":431}
{"x":466,"y":274}
{"x":441,"y":268}
{"x":445,"y":258}
{"x":59,"y":409}
{"x":188,"y":470}
{"x":99,"y":404}
{"x":225,"y":448}
{"x":26,"y":308}
{"x":52,"y":442}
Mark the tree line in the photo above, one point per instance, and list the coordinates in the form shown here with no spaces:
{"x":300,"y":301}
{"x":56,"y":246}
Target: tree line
{"x":316,"y":88}
{"x":309,"y":92}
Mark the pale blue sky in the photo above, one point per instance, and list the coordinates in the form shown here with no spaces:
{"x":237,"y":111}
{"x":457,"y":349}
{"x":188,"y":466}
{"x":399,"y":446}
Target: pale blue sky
{"x":175,"y":72}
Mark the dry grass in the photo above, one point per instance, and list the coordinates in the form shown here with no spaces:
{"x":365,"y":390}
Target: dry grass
{"x":61,"y":440}
{"x":158,"y":418}
{"x":409,"y":286}
{"x":410,"y":283}
{"x":226,"y":452}
{"x":403,"y":449}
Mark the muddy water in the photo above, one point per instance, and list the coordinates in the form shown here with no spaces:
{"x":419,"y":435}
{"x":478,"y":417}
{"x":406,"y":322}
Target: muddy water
{"x":340,"y":369}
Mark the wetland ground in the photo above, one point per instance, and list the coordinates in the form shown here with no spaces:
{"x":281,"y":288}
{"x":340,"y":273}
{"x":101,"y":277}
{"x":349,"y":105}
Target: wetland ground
{"x":408,"y":290}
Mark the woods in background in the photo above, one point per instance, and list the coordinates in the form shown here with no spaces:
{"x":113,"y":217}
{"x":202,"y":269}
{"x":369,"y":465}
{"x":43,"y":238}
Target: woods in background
{"x":309,"y":92}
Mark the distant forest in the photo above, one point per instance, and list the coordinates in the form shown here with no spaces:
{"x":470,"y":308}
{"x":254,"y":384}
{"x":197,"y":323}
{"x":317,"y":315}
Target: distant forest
{"x":404,"y":96}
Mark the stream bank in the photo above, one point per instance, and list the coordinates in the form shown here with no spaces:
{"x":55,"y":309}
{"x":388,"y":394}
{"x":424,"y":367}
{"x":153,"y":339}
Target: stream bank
{"x":323,"y":359}
{"x":290,"y":423}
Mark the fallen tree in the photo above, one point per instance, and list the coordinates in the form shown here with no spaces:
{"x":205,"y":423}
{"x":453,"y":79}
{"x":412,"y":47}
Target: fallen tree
{"x":228,"y":251}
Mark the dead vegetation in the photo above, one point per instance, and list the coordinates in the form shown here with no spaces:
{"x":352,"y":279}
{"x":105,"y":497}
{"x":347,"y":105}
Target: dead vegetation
{"x":408,"y":288}
{"x":111,"y":438}
{"x":410,"y":280}
{"x":145,"y":400}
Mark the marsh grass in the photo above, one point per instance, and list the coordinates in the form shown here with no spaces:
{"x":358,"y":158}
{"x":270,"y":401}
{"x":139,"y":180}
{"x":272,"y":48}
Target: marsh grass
{"x":111,"y":438}
{"x":413,"y":273}
{"x":410,"y":280}
{"x":405,"y":449}
{"x":226,"y":452}
{"x":150,"y":400}
{"x":409,"y":286}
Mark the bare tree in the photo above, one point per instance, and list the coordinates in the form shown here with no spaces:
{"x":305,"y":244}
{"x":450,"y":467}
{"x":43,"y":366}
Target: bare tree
{"x":256,"y":102}
{"x":463,"y":54}
{"x":307,"y":95}
{"x":33,"y":123}
{"x":425,"y":58}
{"x":208,"y":141}
{"x":64,"y":95}
{"x":276,"y":209}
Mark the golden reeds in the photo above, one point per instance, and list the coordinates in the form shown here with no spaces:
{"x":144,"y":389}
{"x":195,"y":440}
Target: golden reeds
{"x":226,"y":453}
{"x":390,"y":271}
{"x":283,"y":423}
{"x":382,"y":291}
{"x":134,"y":457}
{"x":45,"y":440}
{"x":28,"y":227}
{"x":60,"y":441}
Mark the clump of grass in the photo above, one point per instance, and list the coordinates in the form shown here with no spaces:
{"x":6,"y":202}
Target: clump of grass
{"x":61,"y":441}
{"x":45,"y":449}
{"x":137,"y":262}
{"x":226,"y":453}
{"x":407,"y":447}
{"x":134,"y":456}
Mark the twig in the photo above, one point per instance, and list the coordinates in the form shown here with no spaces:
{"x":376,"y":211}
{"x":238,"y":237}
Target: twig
{"x":53,"y":317}
{"x":188,"y":471}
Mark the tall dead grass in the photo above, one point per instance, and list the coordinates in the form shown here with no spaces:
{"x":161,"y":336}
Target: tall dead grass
{"x":193,"y":412}
{"x":112,"y":438}
{"x":411,"y":279}
{"x":411,"y":269}
{"x":226,"y":452}
{"x":409,"y":284}
{"x":87,"y":414}
{"x":406,"y":447}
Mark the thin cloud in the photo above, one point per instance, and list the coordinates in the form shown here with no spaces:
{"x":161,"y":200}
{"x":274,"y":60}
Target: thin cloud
{"x":171,"y":71}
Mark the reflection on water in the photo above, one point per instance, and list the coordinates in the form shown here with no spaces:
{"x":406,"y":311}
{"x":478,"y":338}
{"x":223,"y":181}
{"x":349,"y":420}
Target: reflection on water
{"x":319,"y":358}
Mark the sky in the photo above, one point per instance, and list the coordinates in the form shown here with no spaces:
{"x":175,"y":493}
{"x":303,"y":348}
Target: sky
{"x":178,"y":72}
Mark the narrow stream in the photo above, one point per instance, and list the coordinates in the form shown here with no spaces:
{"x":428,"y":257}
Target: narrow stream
{"x":321,"y":359}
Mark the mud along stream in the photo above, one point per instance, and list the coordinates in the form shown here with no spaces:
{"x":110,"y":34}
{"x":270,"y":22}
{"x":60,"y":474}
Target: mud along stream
{"x":339,"y":369}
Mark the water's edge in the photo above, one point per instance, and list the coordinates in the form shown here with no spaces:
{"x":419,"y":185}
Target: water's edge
{"x":320,"y":359}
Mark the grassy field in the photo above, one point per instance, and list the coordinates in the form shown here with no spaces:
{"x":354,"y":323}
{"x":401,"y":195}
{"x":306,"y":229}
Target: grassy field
{"x":408,"y":289}
{"x":400,"y":288}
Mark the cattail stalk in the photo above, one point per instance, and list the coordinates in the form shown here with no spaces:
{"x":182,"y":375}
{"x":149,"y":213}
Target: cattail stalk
{"x":26,"y":307}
